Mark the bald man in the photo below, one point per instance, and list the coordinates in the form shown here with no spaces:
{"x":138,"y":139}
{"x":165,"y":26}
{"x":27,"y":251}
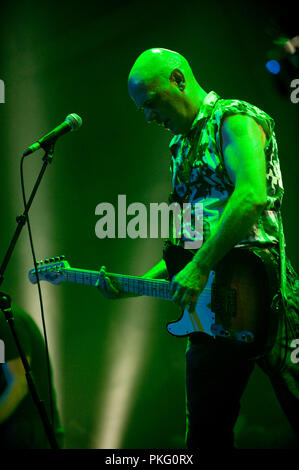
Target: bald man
{"x":224,"y":156}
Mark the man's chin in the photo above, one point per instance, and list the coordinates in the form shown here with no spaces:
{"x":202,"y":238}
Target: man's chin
{"x":171,"y":128}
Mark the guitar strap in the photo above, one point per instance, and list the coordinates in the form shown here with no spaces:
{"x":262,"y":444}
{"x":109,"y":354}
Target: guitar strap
{"x":283,"y":271}
{"x":288,"y":295}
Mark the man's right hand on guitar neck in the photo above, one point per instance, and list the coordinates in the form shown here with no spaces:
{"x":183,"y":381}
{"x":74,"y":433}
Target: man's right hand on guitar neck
{"x":111,"y":289}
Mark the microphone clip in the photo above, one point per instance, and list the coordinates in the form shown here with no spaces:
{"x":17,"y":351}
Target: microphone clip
{"x":49,"y":151}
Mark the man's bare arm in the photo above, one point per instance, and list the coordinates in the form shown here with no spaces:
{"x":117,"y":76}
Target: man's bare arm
{"x":243,"y":150}
{"x":243,"y":143}
{"x":159,"y":271}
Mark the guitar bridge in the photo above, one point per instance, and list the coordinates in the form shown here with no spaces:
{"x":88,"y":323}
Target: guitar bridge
{"x":231,"y":302}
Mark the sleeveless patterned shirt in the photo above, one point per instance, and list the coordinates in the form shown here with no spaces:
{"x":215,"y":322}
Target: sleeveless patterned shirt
{"x":199,"y":174}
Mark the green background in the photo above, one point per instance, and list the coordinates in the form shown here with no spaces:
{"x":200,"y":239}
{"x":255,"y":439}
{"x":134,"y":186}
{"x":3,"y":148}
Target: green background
{"x":119,"y":375}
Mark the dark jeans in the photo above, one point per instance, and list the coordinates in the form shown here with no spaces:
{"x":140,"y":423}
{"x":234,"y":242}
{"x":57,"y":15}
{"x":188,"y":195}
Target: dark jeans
{"x":217,"y":372}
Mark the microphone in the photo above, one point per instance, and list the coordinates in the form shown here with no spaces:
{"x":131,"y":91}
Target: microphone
{"x":71,"y":123}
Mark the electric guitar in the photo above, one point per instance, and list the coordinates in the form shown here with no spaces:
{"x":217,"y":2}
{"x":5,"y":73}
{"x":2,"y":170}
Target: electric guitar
{"x":234,"y":303}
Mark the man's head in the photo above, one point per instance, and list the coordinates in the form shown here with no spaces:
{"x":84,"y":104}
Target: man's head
{"x":162,"y":84}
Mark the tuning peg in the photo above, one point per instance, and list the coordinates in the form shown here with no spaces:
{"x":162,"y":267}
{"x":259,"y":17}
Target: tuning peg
{"x":57,"y":258}
{"x":52,"y":260}
{"x":62,"y":257}
{"x":46,"y":261}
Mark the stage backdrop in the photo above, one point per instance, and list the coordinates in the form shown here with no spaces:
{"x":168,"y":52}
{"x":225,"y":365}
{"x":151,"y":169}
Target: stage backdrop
{"x":119,"y":375}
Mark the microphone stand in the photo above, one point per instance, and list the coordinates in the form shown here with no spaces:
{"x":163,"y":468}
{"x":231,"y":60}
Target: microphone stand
{"x":5,"y":300}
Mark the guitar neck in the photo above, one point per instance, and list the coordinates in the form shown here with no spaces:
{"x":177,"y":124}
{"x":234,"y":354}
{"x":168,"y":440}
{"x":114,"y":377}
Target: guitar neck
{"x":157,"y":288}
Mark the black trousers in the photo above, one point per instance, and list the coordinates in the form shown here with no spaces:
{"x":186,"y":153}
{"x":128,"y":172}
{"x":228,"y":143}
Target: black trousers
{"x":217,"y":372}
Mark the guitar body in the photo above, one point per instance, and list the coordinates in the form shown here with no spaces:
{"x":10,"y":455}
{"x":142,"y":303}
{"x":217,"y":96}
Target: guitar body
{"x":235,"y":303}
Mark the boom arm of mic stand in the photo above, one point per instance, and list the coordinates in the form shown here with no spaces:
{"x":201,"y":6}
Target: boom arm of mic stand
{"x":21,"y":219}
{"x":5,"y":301}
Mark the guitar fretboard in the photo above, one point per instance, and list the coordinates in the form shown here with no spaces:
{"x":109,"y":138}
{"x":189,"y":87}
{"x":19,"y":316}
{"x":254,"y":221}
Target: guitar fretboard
{"x":157,"y":288}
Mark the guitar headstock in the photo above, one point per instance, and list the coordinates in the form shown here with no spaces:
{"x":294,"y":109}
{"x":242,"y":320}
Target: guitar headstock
{"x":50,"y":269}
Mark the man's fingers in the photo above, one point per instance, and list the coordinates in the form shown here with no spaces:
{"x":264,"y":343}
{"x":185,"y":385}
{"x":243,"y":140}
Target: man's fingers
{"x":192,"y":303}
{"x":105,"y":284}
{"x":178,"y":292}
{"x":185,"y":300}
{"x":100,"y":280}
{"x":109,"y":286}
{"x":189,"y":299}
{"x":173,"y":286}
{"x":184,"y":296}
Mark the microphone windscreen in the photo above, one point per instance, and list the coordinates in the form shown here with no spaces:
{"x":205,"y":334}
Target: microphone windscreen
{"x":74,"y":120}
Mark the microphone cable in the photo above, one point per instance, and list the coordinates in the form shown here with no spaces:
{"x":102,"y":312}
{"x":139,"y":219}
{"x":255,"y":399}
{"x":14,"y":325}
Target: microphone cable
{"x":40,"y":295}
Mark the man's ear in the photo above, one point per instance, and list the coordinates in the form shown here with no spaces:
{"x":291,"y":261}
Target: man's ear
{"x":178,"y":77}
